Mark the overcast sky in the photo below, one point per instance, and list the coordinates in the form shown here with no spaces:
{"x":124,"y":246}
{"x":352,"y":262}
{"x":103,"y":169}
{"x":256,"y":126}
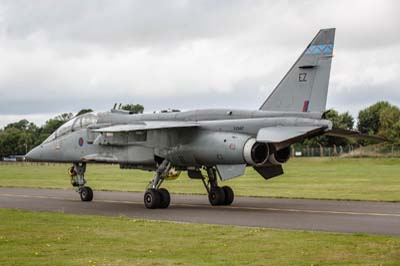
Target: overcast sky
{"x":62,"y":56}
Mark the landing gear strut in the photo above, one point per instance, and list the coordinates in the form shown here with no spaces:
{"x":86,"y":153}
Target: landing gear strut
{"x":217,"y":195}
{"x":156,"y":197}
{"x":77,"y":173}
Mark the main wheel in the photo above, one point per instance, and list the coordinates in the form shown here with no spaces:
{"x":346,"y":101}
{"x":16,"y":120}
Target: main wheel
{"x":216,"y":196}
{"x":165,"y":198}
{"x":86,"y":194}
{"x":229,"y":195}
{"x":152,"y":199}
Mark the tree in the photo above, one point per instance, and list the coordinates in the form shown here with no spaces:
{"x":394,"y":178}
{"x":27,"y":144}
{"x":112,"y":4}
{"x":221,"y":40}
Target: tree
{"x":346,"y":121}
{"x":381,"y":119}
{"x":23,"y":124}
{"x":64,"y":117}
{"x":18,"y":138}
{"x":133,"y":108}
{"x":84,"y":111}
{"x":390,"y":123}
{"x":369,"y":118}
{"x":14,"y":141}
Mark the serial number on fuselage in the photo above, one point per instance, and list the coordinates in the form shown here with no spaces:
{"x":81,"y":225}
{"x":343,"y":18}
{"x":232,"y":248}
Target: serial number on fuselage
{"x":238,"y":128}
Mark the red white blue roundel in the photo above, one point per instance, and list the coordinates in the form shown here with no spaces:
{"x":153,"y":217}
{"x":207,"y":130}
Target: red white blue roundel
{"x":80,"y":142}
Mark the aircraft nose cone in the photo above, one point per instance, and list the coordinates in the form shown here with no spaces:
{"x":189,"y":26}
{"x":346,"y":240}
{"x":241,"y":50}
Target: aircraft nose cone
{"x":34,"y":155}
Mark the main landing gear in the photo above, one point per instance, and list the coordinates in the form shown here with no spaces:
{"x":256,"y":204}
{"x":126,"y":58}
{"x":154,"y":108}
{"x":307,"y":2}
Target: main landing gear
{"x":77,"y":173}
{"x":217,"y":195}
{"x":156,"y":197}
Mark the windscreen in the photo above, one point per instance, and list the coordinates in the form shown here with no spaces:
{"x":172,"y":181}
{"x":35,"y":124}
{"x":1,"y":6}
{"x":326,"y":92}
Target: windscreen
{"x":76,"y":123}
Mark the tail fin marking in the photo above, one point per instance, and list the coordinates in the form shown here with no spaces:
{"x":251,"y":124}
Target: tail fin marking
{"x":305,"y":86}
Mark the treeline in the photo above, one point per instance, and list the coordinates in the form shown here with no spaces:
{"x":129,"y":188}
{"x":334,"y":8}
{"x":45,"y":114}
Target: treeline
{"x":382,"y":119}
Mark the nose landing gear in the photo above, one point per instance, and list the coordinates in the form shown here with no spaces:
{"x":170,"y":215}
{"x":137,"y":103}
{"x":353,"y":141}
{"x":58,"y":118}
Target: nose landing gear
{"x":77,"y":174}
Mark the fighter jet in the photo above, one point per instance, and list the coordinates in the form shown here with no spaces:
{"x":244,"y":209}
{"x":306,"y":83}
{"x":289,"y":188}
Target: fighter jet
{"x":211,"y":145}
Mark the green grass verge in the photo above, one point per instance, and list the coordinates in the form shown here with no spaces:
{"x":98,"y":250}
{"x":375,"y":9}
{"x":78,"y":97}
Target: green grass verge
{"x":29,"y":238}
{"x":375,"y":179}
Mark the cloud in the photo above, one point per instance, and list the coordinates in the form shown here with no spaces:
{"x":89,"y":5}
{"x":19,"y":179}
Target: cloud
{"x":61,"y":56}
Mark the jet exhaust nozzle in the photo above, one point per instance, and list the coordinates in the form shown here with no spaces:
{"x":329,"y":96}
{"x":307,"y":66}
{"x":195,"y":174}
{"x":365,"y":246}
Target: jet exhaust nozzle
{"x":280,"y":157}
{"x":256,"y":153}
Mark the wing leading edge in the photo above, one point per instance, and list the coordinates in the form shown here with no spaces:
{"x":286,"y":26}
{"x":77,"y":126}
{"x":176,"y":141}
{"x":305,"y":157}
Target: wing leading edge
{"x":149,"y":125}
{"x":282,"y":134}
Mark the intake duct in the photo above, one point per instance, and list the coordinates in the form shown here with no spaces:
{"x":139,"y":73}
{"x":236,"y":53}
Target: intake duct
{"x":255,"y":153}
{"x":280,"y":157}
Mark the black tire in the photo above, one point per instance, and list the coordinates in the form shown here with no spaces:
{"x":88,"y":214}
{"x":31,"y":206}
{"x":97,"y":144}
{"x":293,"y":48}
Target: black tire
{"x":165,"y":198}
{"x":86,"y":194}
{"x":229,"y":195}
{"x":216,"y":196}
{"x":152,"y":199}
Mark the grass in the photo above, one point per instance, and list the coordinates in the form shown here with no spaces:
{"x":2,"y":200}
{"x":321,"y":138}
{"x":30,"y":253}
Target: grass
{"x":375,"y":179}
{"x":29,"y":238}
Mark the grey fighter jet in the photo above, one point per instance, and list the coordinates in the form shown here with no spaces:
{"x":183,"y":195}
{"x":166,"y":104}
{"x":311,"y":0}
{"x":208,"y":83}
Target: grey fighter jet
{"x":207,"y":143}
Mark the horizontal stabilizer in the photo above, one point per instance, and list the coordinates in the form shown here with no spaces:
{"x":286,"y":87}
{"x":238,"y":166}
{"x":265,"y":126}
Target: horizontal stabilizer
{"x":149,"y":125}
{"x":355,"y":135}
{"x":287,"y":134}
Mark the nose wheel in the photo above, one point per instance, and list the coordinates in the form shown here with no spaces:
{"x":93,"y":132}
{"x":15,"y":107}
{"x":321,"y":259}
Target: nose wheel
{"x":77,"y":174}
{"x":86,"y":194}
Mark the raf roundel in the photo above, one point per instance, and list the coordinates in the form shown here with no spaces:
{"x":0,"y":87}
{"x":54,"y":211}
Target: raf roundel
{"x":80,"y":142}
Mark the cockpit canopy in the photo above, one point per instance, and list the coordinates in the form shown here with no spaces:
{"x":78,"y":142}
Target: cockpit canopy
{"x":76,"y":123}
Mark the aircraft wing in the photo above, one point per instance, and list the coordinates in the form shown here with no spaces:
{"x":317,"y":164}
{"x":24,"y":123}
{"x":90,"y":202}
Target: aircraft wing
{"x":290,"y":134}
{"x":350,"y":134}
{"x":149,"y":125}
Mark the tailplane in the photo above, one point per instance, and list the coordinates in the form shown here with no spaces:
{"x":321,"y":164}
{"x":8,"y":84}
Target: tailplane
{"x":305,"y":87}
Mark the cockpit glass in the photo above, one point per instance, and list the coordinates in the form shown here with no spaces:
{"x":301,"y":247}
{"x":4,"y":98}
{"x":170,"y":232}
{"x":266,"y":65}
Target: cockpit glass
{"x":88,"y":120}
{"x":65,"y":128}
{"x":50,"y":138}
{"x":76,"y":123}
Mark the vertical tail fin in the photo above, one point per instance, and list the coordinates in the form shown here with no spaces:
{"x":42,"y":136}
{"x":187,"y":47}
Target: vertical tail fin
{"x":305,"y":87}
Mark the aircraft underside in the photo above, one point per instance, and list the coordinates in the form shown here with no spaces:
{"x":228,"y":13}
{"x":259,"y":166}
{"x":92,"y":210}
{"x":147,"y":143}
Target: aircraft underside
{"x":155,"y":196}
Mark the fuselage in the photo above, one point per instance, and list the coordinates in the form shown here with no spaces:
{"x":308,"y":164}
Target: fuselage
{"x":76,"y":140}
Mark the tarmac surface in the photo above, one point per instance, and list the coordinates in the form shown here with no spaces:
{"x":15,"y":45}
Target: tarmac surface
{"x":299,"y":214}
